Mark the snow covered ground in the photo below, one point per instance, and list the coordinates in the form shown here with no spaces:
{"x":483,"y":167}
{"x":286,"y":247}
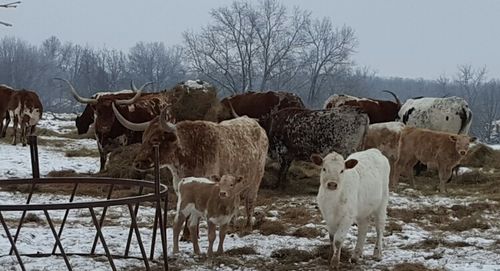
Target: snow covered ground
{"x":417,"y":230}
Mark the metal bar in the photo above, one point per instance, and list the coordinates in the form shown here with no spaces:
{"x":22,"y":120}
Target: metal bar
{"x":58,"y":241}
{"x":129,"y":239}
{"x":153,"y":237}
{"x":101,"y":220}
{"x":162,"y":225}
{"x":101,"y":236}
{"x":36,"y":175}
{"x":164,"y":232}
{"x":138,"y":236}
{"x":71,"y":198}
{"x":12,"y":243}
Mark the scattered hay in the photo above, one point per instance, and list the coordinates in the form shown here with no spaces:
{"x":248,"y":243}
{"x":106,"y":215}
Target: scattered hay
{"x":33,"y":218}
{"x":307,"y":232}
{"x":83,"y":152}
{"x":238,"y":251}
{"x":325,"y":252}
{"x":411,"y":267}
{"x":467,"y":223}
{"x":292,"y":255}
{"x":393,"y":227}
{"x":66,"y":173}
{"x":433,"y":243}
{"x":272,"y":227}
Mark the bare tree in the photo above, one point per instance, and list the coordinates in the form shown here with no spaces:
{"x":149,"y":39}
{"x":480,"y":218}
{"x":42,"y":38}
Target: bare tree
{"x":328,"y":50}
{"x":9,"y":5}
{"x":470,"y":82}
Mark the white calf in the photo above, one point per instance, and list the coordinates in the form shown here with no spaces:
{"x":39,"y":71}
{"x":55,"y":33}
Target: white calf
{"x":350,"y":192}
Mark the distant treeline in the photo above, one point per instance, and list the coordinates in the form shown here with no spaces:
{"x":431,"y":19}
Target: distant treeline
{"x":246,"y":46}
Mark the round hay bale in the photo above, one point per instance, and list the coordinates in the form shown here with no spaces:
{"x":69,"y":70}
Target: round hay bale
{"x":196,"y":100}
{"x":481,"y":155}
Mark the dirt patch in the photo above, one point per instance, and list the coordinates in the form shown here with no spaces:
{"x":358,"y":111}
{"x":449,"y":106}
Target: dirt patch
{"x":292,"y":255}
{"x":307,"y":232}
{"x":272,"y":227}
{"x":241,"y":251}
{"x":411,"y":267}
{"x":467,"y":223}
{"x":430,"y":244}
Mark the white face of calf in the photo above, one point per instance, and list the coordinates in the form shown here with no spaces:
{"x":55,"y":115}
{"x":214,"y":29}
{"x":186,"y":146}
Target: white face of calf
{"x":229,"y":186}
{"x":333,"y":168}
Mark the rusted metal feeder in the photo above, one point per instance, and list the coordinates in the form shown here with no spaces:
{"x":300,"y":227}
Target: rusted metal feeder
{"x":158,"y":197}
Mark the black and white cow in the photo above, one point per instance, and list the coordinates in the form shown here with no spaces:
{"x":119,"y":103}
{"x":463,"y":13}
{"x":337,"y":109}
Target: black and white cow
{"x":297,"y":133}
{"x":451,"y":114}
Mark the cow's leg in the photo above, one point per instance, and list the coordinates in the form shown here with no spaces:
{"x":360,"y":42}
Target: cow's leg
{"x":15,"y":123}
{"x":284,"y":166}
{"x":186,"y":235}
{"x":178,"y":221}
{"x":211,"y":238}
{"x":444,"y":175}
{"x":193,"y":224}
{"x":409,"y":171}
{"x":338,"y":238}
{"x":249,"y":207}
{"x":380,"y":218}
{"x":7,"y":121}
{"x":360,"y":243}
{"x":2,"y":116}
{"x":222,"y":236}
{"x":24,"y":127}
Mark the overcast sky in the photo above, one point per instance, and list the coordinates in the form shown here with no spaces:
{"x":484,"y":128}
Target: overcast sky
{"x":410,"y":38}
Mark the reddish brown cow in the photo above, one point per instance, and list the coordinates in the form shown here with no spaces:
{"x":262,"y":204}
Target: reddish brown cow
{"x":5,"y":93}
{"x":439,"y":150}
{"x":377,"y":110}
{"x":259,"y":105}
{"x":25,"y":109}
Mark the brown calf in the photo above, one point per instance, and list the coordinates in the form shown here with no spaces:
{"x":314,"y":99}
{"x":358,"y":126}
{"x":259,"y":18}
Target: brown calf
{"x":385,"y":137}
{"x":24,"y":108}
{"x":439,"y":150}
{"x":5,"y":94}
{"x":216,"y":200}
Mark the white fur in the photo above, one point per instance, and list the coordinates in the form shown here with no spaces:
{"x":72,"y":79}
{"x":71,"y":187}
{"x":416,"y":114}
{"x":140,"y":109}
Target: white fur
{"x":438,"y":114}
{"x":338,"y":100}
{"x":393,"y":126}
{"x":221,"y":220}
{"x":362,"y":192}
{"x":196,"y":180}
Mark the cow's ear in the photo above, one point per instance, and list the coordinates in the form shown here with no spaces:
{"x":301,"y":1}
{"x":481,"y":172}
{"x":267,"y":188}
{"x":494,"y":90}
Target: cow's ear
{"x":317,"y":159}
{"x":472,"y":139}
{"x":453,"y":138}
{"x":350,"y":163}
{"x":215,"y":178}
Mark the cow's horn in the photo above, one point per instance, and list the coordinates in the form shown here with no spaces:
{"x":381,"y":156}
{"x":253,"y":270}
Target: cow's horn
{"x":139,"y":127}
{"x":394,"y":95}
{"x":75,"y":94}
{"x":166,"y":125}
{"x":136,"y":96}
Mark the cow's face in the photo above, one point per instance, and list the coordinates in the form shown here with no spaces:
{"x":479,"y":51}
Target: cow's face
{"x":333,"y":167}
{"x":462,"y":143}
{"x":104,"y":116}
{"x":155,"y":135}
{"x":229,"y":185}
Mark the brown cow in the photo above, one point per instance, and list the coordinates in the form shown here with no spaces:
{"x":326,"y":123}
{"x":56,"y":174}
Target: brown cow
{"x":439,"y":150}
{"x":377,"y":110}
{"x":25,"y":109}
{"x":259,"y":105}
{"x":202,"y":148}
{"x":385,"y":137}
{"x":215,"y":200}
{"x":5,"y":93}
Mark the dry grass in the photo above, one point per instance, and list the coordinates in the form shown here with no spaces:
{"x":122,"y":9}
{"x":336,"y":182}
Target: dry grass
{"x":83,"y":152}
{"x":241,"y":251}
{"x":433,"y":243}
{"x":411,"y":267}
{"x":482,"y":156}
{"x":272,"y":227}
{"x":292,"y":255}
{"x":467,"y":223}
{"x":307,"y":232}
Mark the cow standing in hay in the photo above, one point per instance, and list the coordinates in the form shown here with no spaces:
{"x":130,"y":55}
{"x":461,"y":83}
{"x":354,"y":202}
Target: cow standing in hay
{"x":351,"y":191}
{"x":439,"y":150}
{"x":25,"y":109}
{"x":203,"y":149}
{"x":296,"y":134}
{"x":377,"y":110}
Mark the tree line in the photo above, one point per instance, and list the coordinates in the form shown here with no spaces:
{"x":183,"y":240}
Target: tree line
{"x":246,"y":46}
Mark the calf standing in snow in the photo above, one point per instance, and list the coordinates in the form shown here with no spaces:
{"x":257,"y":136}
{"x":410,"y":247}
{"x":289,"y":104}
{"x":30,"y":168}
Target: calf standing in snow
{"x":350,"y":192}
{"x":216,"y":200}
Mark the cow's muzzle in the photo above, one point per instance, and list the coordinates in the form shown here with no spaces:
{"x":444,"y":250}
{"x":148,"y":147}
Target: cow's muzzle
{"x":332,"y":186}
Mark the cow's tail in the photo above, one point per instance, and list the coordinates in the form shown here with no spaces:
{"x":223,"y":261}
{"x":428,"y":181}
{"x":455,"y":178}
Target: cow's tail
{"x":466,"y":118}
{"x":395,"y":97}
{"x":231,"y":108}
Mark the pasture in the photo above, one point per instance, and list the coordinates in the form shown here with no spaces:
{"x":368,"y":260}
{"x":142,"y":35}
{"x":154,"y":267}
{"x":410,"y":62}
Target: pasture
{"x":425,"y":230}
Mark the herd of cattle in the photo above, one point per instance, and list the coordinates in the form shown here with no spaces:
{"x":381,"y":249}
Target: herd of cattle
{"x":216,"y":149}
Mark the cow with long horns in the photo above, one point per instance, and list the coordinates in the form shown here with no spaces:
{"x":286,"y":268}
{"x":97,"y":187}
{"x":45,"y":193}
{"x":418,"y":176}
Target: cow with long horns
{"x":377,"y":110}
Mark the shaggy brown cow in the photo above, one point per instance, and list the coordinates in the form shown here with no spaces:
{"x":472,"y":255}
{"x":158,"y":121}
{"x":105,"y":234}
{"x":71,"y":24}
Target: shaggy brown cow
{"x":377,"y":110}
{"x":439,"y":150}
{"x":202,"y":148}
{"x":385,"y":137}
{"x":5,"y":93}
{"x":259,"y":105}
{"x":215,"y":200}
{"x":25,"y":109}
